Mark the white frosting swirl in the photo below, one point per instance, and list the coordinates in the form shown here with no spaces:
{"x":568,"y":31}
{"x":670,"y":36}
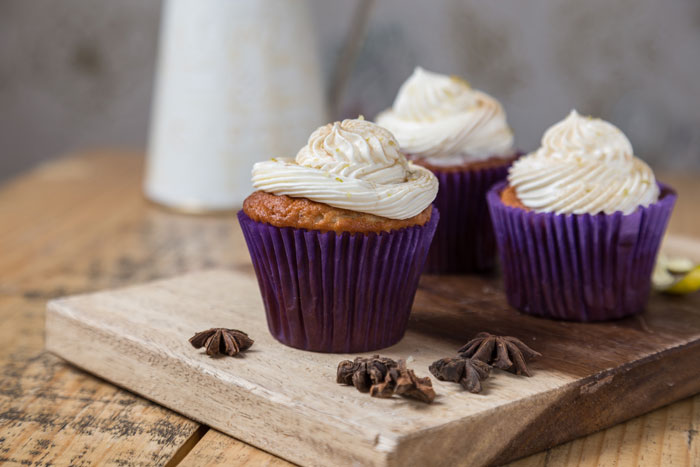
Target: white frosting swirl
{"x":355,"y":165}
{"x":585,"y":165}
{"x":443,"y":119}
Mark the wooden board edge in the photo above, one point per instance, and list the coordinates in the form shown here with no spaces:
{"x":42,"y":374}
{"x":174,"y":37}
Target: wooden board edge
{"x":614,"y":398}
{"x":568,"y":406}
{"x":572,"y":411}
{"x":66,"y":335}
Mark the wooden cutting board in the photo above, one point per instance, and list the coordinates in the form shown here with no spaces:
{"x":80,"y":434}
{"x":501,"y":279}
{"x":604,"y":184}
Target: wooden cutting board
{"x":286,"y":401}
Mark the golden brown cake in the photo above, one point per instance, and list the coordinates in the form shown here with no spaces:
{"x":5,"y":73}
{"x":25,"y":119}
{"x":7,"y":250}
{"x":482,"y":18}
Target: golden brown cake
{"x":510,"y":198}
{"x":338,"y":237}
{"x":578,"y":224}
{"x":302,"y":213}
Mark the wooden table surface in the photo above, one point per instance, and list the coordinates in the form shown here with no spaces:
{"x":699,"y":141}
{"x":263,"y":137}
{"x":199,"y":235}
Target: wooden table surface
{"x":80,"y":224}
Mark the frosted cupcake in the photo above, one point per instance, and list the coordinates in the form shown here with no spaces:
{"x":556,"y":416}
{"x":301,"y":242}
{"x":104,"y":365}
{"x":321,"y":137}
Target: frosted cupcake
{"x":338,"y":237}
{"x":462,"y":136}
{"x":578,"y":224}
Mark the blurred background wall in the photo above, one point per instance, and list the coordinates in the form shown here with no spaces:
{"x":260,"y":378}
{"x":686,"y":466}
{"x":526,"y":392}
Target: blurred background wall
{"x":79,"y":73}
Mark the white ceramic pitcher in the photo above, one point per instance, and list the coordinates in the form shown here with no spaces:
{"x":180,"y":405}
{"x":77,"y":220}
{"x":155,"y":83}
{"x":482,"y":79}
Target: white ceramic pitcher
{"x":237,"y":82}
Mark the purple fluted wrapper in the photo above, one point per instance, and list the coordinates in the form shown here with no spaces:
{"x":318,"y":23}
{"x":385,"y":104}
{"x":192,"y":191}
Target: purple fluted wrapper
{"x":464,"y":240}
{"x":341,"y":293}
{"x":579,"y":267}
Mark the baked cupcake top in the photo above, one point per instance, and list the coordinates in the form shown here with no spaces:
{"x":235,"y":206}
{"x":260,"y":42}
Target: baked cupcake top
{"x":442,"y":118}
{"x":354,"y":165}
{"x":585,"y":165}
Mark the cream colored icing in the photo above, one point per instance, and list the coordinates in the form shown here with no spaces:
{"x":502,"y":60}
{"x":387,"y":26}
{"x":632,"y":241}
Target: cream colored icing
{"x":585,"y":165}
{"x":441,"y":118}
{"x":355,"y":165}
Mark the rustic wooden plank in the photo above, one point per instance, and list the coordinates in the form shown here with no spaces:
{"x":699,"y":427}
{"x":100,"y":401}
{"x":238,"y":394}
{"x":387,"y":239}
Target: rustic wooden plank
{"x":591,"y":376}
{"x":75,"y":225}
{"x":668,"y":436}
{"x":630,"y":443}
{"x":54,"y":414}
{"x":24,"y":329}
{"x":80,"y":224}
{"x":99,"y":232}
{"x":218,"y":449}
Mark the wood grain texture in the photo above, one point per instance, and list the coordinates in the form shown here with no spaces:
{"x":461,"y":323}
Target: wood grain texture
{"x":216,"y":449}
{"x":54,"y":414}
{"x":663,"y":437}
{"x":70,"y":226}
{"x":591,"y":376}
{"x":80,"y":224}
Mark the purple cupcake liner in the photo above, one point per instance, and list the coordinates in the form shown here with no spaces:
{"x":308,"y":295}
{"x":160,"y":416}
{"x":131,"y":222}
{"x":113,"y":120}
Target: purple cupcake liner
{"x":579,"y":267}
{"x":464,"y":240}
{"x":341,"y":293}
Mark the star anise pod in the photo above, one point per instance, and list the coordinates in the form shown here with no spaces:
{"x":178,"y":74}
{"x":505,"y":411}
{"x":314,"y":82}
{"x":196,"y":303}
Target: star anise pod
{"x":465,"y":371}
{"x":504,"y":352}
{"x":364,"y":372}
{"x":404,"y":382}
{"x":221,"y":341}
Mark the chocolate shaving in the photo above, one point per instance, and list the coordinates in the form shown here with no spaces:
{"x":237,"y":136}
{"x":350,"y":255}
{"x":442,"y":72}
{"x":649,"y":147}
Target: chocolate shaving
{"x":503,"y":352}
{"x":465,"y":371}
{"x":222,"y":341}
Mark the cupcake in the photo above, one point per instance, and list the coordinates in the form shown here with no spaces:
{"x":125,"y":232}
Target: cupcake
{"x":338,"y":237}
{"x":462,"y":136}
{"x":578,"y":224}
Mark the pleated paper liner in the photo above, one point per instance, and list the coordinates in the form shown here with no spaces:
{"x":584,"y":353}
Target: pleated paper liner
{"x":464,"y":240}
{"x":342,"y":293}
{"x":579,"y":267}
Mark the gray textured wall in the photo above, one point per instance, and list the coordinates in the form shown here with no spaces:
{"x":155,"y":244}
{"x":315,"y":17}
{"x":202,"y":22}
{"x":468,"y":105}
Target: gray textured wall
{"x":78,"y":73}
{"x":73,"y":74}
